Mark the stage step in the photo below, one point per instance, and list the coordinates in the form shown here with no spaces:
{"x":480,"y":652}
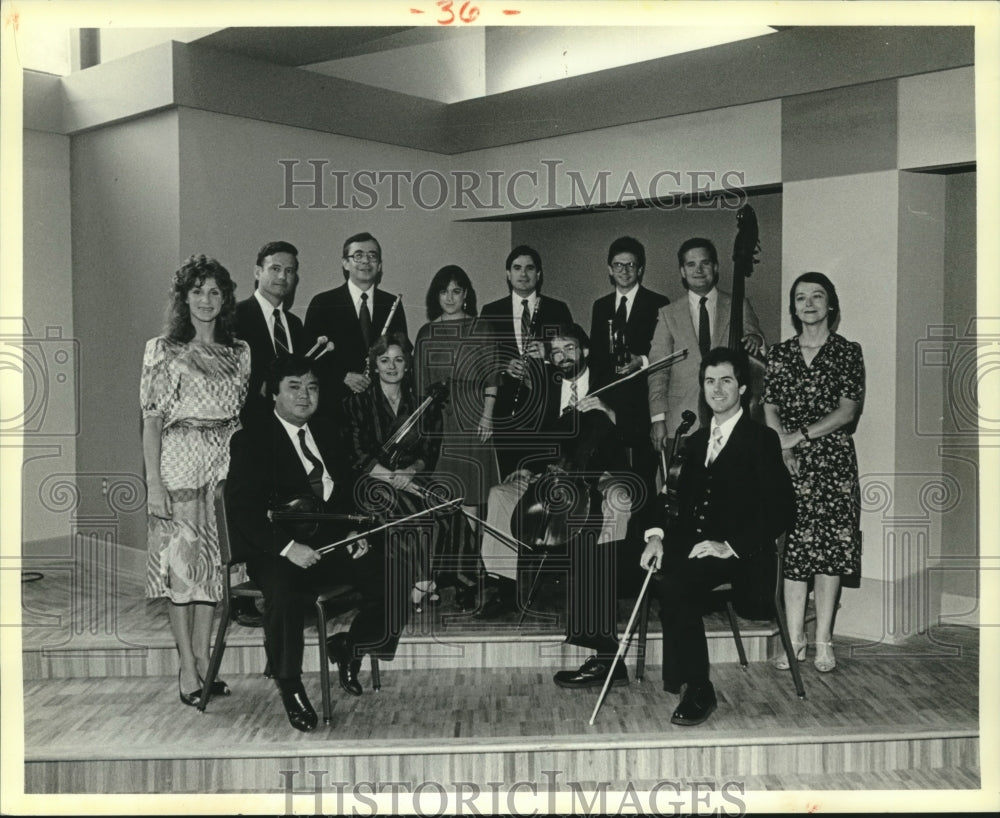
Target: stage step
{"x":432,"y":646}
{"x":872,"y":717}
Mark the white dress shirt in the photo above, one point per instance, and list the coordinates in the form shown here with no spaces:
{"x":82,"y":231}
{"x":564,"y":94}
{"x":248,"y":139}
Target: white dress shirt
{"x":268,"y":309}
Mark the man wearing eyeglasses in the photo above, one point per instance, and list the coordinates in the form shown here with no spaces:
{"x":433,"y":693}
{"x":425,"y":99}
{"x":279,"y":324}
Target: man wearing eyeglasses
{"x":352,"y":316}
{"x":621,"y":331}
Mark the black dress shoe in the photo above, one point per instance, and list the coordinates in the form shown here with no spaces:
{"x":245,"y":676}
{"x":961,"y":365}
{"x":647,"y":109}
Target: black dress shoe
{"x":496,"y":607}
{"x":696,"y":705}
{"x":592,"y":673}
{"x":297,"y":705}
{"x":339,"y":650}
{"x":244,"y":612}
{"x":466,"y":597}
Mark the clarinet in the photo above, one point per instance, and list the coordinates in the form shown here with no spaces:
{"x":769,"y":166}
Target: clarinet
{"x":532,"y":332}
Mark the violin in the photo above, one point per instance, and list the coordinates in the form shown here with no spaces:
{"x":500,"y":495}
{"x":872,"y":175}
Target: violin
{"x":672,"y":470}
{"x":301,"y":514}
{"x":405,"y":436}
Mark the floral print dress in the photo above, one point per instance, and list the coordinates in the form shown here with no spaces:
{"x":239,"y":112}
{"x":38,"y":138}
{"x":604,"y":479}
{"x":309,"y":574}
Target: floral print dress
{"x":197,"y":390}
{"x":826,"y":538}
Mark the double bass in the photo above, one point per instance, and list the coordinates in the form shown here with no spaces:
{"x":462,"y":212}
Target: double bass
{"x":745,"y":248}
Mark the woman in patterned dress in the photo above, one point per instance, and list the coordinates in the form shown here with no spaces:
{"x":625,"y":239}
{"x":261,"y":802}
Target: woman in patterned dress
{"x":447,"y":350}
{"x":194,"y":382}
{"x":813,"y":390}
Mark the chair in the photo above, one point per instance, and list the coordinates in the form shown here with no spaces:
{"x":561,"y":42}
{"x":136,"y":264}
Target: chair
{"x":336,"y":600}
{"x":725,"y":590}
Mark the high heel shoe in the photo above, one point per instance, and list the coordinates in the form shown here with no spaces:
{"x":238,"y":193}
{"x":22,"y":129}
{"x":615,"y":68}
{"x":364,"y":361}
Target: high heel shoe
{"x":190,"y":699}
{"x":780,"y":662}
{"x":825,"y":661}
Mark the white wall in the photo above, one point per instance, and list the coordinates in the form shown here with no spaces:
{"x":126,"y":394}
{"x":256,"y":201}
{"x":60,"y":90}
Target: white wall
{"x":50,"y":392}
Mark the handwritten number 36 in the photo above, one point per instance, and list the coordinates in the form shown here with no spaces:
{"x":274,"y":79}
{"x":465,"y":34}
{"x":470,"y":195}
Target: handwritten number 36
{"x":467,"y":13}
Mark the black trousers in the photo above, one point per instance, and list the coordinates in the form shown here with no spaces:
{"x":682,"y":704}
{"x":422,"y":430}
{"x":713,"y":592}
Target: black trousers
{"x":599,"y":574}
{"x":682,"y":592}
{"x":289,"y":590}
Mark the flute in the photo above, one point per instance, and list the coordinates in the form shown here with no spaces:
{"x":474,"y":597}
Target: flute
{"x":392,"y":312}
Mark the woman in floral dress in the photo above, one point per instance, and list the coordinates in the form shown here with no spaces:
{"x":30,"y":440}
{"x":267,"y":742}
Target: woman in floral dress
{"x":813,"y":391}
{"x":194,"y":382}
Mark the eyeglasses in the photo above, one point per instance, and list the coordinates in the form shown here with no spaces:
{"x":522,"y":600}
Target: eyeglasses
{"x":360,"y":256}
{"x":618,"y":266}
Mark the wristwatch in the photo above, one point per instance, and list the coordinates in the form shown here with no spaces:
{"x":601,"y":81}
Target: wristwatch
{"x":804,"y":432}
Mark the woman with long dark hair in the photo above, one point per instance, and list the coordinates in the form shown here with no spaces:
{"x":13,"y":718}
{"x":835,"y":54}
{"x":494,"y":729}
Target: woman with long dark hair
{"x":448,"y":350}
{"x":193,"y":385}
{"x":813,"y":391}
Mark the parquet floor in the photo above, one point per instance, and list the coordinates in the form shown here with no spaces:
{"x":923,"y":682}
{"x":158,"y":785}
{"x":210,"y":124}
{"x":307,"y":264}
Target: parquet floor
{"x":889,"y":717}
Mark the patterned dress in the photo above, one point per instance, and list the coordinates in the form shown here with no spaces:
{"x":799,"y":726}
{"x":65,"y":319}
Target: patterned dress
{"x":448,"y":351}
{"x":197,"y":391}
{"x":826,"y":538}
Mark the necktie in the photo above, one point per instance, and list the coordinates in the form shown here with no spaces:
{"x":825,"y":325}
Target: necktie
{"x":704,"y":331}
{"x":716,"y":447}
{"x":525,"y":324}
{"x":365,"y":319}
{"x":316,"y":472}
{"x":280,"y":337}
{"x":573,"y":394}
{"x":621,"y":316}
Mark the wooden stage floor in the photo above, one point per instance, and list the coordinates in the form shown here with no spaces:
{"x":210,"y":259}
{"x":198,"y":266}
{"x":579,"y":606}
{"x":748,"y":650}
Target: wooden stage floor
{"x":889,"y":717}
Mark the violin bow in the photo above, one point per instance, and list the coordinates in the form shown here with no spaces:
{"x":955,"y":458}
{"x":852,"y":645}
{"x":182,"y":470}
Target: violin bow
{"x":663,"y":363}
{"x":392,"y":524}
{"x":511,"y":542}
{"x":623,"y":644}
{"x":318,"y":515}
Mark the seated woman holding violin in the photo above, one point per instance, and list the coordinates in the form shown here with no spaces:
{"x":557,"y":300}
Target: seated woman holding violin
{"x":394,"y":442}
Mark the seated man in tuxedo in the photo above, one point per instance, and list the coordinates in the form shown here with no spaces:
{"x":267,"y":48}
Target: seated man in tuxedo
{"x":275,"y":461}
{"x":735,"y":498}
{"x":577,"y":439}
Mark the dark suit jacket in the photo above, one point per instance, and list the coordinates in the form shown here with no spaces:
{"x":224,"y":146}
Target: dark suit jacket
{"x":331,"y":313}
{"x":496,"y":322}
{"x":745,"y":495}
{"x":586,"y":441}
{"x":264,"y":467}
{"x":251,"y":327}
{"x":631,"y":400}
{"x":745,"y":498}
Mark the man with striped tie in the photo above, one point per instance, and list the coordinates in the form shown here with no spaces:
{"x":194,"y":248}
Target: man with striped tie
{"x":264,"y":322}
{"x":735,"y":498}
{"x":289,"y":457}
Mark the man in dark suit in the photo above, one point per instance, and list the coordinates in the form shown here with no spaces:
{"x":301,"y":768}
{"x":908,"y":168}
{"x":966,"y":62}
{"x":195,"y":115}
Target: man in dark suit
{"x":352,"y":317}
{"x":697,"y":323}
{"x":578,"y":440}
{"x":621,"y":332}
{"x":288,"y":457}
{"x":263,"y":321}
{"x":518,"y":326}
{"x":735,"y":498}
